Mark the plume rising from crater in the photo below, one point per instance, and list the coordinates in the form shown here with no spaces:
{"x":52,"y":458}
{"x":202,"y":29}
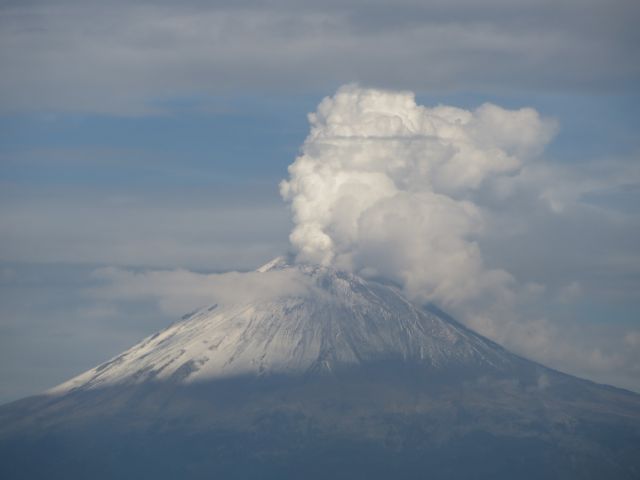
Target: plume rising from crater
{"x":383,"y":186}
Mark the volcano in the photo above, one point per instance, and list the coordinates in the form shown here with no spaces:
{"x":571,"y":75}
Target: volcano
{"x":344,"y":378}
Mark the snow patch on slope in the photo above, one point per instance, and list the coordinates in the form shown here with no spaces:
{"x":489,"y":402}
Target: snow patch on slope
{"x":342,"y":320}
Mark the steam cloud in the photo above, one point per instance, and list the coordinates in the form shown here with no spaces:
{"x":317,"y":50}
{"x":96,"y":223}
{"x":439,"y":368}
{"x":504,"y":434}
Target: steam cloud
{"x":384,"y":187}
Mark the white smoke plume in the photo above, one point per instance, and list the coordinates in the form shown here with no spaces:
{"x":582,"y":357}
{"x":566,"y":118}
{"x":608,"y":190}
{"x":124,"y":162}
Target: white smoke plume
{"x":383,"y":187}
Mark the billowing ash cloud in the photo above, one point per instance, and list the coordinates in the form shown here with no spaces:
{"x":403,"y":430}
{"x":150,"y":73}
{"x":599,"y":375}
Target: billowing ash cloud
{"x":384,"y":186}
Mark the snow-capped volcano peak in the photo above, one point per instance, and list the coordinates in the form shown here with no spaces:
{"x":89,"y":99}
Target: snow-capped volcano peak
{"x":333,"y":320}
{"x":277,"y":263}
{"x":323,"y":364}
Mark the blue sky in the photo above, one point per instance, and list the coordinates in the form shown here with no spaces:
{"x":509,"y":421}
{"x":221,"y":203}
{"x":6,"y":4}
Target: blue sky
{"x":144,"y":135}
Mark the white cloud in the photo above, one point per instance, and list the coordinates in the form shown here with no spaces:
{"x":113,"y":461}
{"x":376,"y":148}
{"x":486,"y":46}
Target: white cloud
{"x":181,"y":291}
{"x":386,"y":187}
{"x":382,"y":187}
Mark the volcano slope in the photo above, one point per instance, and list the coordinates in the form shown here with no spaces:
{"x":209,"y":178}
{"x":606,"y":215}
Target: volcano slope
{"x":344,"y":378}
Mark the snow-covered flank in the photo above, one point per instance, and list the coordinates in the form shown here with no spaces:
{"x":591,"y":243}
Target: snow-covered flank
{"x":343,"y":320}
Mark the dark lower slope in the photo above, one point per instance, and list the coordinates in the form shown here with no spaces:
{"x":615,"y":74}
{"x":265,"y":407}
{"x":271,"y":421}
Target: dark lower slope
{"x":392,"y":422}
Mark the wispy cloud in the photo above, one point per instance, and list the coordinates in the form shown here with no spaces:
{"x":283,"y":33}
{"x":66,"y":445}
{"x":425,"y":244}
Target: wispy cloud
{"x":180,"y":291}
{"x":122,"y":57}
{"x":201,"y":229}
